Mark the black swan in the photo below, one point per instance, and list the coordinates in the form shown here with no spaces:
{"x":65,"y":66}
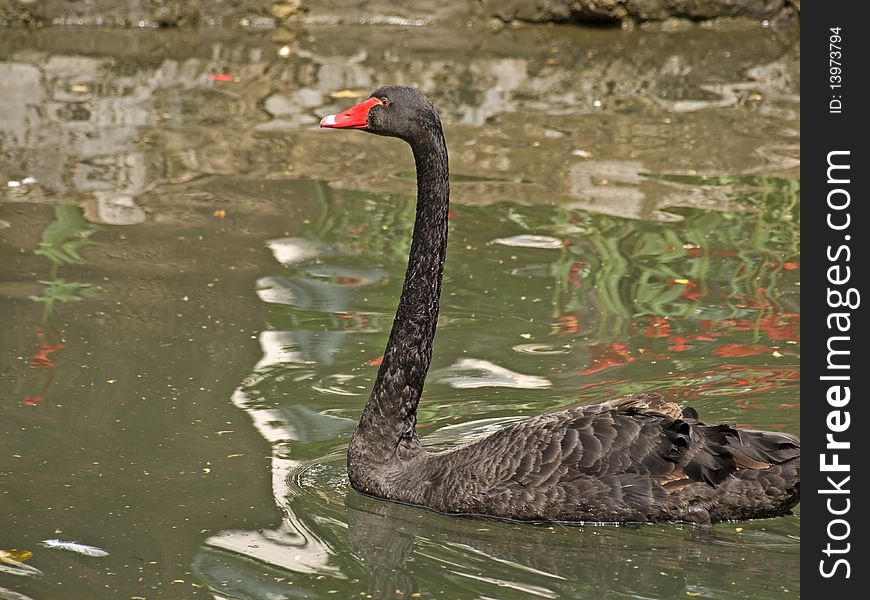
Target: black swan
{"x":633,"y":459}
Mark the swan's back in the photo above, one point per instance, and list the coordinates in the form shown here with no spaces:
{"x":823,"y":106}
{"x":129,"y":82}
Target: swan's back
{"x":634,"y":459}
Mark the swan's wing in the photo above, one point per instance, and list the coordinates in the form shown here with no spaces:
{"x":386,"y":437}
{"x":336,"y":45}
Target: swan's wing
{"x":639,"y":435}
{"x":632,"y":452}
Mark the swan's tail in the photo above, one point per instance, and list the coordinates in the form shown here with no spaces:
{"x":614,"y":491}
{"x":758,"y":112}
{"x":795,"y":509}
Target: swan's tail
{"x":759,"y":471}
{"x":767,"y":481}
{"x":749,"y":474}
{"x":760,"y":449}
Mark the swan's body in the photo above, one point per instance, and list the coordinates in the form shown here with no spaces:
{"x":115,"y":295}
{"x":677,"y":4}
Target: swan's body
{"x":638,"y":458}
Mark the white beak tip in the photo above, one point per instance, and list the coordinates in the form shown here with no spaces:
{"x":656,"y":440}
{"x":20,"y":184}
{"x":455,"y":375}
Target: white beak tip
{"x":328,"y":121}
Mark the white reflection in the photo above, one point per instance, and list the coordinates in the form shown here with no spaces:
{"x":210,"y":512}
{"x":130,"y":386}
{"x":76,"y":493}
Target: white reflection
{"x":530,"y":241}
{"x":291,"y":546}
{"x":542,"y":349}
{"x":487,"y":374}
{"x":7,"y":594}
{"x":292,"y":250}
{"x":623,"y":188}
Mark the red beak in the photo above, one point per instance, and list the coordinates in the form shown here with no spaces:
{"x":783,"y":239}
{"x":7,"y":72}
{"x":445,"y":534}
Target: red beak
{"x":355,"y":117}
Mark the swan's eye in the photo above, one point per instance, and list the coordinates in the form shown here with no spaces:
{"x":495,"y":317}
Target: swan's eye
{"x":385,"y":102}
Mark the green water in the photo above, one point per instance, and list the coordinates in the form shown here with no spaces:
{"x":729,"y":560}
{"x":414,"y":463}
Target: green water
{"x":199,"y":285}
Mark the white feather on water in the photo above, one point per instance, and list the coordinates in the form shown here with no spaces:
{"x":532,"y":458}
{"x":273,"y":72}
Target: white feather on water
{"x":14,"y":567}
{"x":7,"y":594}
{"x":74,"y":547}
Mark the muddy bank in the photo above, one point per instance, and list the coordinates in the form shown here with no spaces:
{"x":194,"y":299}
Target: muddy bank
{"x":266,"y":14}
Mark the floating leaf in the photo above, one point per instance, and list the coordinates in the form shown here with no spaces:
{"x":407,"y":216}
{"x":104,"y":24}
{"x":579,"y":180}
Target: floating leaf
{"x":14,"y":554}
{"x":342,"y":94}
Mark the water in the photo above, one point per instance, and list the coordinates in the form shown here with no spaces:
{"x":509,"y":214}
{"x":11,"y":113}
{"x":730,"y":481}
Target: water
{"x":197,"y":284}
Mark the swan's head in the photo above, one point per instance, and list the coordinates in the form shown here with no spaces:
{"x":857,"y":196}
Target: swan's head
{"x":393,"y":110}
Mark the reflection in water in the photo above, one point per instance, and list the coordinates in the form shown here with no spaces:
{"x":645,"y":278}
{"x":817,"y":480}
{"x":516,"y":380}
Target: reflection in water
{"x":573,"y":119}
{"x":538,"y":561}
{"x":626,"y":218}
{"x":487,"y":374}
{"x":623,"y":188}
{"x":530,"y":241}
{"x":61,"y":244}
{"x":293,"y":546}
{"x":692,"y":300}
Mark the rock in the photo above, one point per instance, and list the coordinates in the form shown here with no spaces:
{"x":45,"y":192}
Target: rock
{"x":590,"y":11}
{"x":116,"y":209}
{"x":286,"y":9}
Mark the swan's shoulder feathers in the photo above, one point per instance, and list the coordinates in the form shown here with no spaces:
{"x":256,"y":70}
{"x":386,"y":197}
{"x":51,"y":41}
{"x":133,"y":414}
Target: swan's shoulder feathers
{"x":648,"y":403}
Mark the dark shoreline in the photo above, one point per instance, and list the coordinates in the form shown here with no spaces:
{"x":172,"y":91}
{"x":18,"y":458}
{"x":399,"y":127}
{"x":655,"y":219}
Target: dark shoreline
{"x":267,"y":14}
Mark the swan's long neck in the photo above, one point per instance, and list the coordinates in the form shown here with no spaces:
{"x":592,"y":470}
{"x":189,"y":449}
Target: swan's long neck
{"x":390,"y":415}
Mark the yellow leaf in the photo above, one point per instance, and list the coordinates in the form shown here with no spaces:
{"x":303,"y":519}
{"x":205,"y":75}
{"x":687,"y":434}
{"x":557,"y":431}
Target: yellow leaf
{"x":346,"y":94}
{"x":16,"y":555}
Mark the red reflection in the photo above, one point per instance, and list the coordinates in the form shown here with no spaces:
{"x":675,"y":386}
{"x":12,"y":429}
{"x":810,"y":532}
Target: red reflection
{"x":691,"y":293}
{"x":566,"y":324}
{"x":736,"y":350}
{"x":609,"y":355}
{"x":747,"y":386}
{"x":652,"y":327}
{"x":678,"y":343}
{"x":785,"y":326}
{"x":42,"y":360}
